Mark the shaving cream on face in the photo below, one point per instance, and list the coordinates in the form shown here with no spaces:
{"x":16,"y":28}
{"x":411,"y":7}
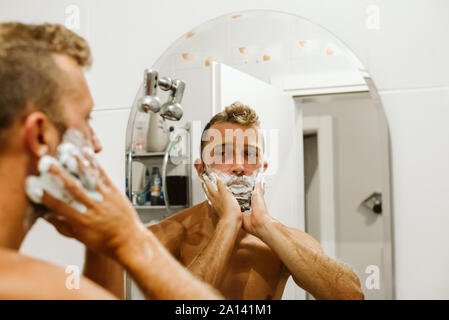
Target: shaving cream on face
{"x":72,"y":148}
{"x":242,"y":187}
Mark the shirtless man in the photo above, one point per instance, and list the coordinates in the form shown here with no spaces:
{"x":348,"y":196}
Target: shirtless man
{"x":43,"y":92}
{"x":247,"y":256}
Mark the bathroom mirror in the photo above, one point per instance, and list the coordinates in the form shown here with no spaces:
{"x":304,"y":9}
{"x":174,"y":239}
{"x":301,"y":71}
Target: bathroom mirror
{"x":333,"y":156}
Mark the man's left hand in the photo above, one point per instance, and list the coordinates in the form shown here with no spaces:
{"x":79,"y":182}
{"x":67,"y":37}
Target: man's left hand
{"x":254,"y":222}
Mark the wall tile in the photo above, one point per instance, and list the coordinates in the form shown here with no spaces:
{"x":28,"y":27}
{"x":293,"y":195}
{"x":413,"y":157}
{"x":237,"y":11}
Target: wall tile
{"x":110,"y":127}
{"x":420,"y":157}
{"x":411,"y":44}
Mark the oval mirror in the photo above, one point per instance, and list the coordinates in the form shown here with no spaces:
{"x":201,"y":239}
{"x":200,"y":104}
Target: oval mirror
{"x":324,"y":126}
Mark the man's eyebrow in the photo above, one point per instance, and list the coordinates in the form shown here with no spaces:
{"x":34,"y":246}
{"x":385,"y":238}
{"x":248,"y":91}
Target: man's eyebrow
{"x":232,"y":144}
{"x":251,"y":146}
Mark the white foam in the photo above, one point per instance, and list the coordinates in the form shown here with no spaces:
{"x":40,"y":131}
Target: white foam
{"x":242,"y":187}
{"x":66,"y":159}
{"x":45,"y":163}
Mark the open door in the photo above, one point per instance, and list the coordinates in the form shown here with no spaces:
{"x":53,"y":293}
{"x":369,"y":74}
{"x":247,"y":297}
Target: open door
{"x":282,"y":127}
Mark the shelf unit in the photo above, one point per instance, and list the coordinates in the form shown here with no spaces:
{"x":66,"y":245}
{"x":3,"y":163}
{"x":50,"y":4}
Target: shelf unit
{"x":150,"y":215}
{"x":161,"y":159}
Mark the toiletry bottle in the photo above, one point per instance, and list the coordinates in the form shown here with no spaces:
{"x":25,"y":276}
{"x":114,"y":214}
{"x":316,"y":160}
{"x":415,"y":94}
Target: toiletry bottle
{"x":142,"y":196}
{"x":147,"y":185}
{"x":162,"y":197}
{"x":139,"y":135}
{"x":156,"y":183}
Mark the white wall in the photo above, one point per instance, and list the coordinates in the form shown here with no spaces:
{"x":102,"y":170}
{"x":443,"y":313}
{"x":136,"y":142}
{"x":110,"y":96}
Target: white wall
{"x":407,"y":58}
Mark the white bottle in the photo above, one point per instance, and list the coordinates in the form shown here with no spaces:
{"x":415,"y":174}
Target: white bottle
{"x":158,"y":135}
{"x":139,"y":133}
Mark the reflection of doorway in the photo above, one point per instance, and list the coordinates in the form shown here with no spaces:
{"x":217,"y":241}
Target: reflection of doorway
{"x":311,"y":189}
{"x":319,"y":181}
{"x":319,"y":206}
{"x":359,"y":166}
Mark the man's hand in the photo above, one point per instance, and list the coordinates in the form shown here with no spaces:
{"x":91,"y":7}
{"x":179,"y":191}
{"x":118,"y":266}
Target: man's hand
{"x":106,"y":227}
{"x":310,"y":268}
{"x":259,"y":216}
{"x":112,"y":227}
{"x":212,"y":261}
{"x":223,"y":201}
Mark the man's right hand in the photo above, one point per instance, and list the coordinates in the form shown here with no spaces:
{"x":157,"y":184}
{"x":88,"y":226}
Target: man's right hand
{"x":112,"y":227}
{"x":108,"y":226}
{"x":222,"y":201}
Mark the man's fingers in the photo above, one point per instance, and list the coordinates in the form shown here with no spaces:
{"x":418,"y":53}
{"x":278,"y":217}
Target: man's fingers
{"x":62,"y":226}
{"x":205,"y":190}
{"x":74,"y":189}
{"x":210,"y":188}
{"x":259,"y":188}
{"x":220,"y":186}
{"x":104,"y":177}
{"x":61,"y":208}
{"x":94,"y":163}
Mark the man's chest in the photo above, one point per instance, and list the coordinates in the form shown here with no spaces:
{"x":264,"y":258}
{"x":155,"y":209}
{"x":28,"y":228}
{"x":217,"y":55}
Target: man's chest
{"x":253,"y":271}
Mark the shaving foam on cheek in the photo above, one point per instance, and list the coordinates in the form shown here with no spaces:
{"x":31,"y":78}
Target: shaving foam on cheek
{"x":242,"y":187}
{"x":71,"y":149}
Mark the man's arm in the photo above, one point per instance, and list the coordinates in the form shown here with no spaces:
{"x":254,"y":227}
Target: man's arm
{"x":210,"y":264}
{"x":105,"y":271}
{"x":165,"y":278}
{"x":311,"y":269}
{"x":113,"y":228}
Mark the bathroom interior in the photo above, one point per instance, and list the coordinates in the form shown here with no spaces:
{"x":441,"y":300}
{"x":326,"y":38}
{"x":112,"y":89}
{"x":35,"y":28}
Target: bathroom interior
{"x":353,"y":98}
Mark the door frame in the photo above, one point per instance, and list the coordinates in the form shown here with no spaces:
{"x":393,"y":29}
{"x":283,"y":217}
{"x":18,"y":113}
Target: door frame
{"x":322,"y":126}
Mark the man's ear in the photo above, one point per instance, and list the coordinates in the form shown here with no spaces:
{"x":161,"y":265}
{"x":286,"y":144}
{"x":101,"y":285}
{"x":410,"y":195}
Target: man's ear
{"x":41,"y":135}
{"x":199,"y":167}
{"x":265,"y":166}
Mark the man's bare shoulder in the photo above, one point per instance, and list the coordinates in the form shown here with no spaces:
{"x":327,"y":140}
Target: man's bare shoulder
{"x":183,"y":219}
{"x":23,"y":277}
{"x":171,"y":232}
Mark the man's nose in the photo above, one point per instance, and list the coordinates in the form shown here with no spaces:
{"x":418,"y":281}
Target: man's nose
{"x":238,"y":169}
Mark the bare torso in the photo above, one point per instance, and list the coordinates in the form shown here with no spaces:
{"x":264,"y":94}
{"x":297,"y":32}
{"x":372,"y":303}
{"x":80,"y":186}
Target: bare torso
{"x":254,"y":271}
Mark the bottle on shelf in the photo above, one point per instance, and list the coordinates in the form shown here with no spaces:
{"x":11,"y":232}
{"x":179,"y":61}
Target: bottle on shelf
{"x":142,"y":196}
{"x":156,"y":187}
{"x":139,"y":134}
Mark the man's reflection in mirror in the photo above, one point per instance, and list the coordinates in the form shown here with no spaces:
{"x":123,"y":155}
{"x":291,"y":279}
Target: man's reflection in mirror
{"x":231,"y":240}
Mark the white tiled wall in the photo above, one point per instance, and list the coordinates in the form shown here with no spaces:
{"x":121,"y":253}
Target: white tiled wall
{"x":407,"y":58}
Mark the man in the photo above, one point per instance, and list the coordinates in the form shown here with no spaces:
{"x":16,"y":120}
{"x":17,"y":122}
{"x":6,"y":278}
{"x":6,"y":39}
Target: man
{"x":43,"y":92}
{"x":247,"y":256}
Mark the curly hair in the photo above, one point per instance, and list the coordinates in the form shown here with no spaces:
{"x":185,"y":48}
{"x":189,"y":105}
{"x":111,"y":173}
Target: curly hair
{"x":237,"y":113}
{"x":29,"y":75}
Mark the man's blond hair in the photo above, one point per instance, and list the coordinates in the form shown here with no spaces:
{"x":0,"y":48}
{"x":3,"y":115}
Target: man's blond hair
{"x":30,"y":79}
{"x":54,"y":37}
{"x":237,"y":113}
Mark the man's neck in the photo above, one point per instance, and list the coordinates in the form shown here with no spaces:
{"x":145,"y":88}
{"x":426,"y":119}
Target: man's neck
{"x":13,"y":201}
